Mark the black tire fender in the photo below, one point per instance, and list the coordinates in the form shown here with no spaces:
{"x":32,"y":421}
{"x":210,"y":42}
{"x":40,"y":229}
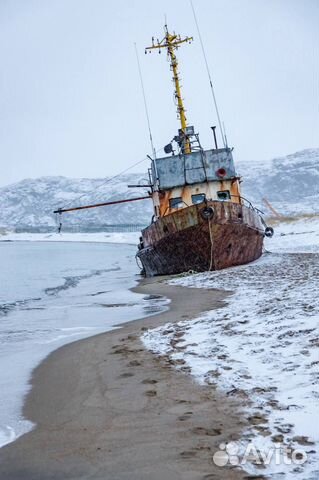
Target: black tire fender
{"x":269,"y":232}
{"x":207,"y":213}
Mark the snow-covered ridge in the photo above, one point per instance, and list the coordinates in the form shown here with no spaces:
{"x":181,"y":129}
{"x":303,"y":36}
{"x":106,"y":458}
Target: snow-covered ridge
{"x":290,"y":183}
{"x":31,"y":202}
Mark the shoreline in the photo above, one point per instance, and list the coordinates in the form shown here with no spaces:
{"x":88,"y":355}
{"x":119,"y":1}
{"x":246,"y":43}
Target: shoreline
{"x":119,"y":238}
{"x":106,"y":408}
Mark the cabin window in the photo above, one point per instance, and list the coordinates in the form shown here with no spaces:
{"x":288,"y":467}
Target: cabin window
{"x":176,"y":202}
{"x":198,"y":198}
{"x":223,"y":195}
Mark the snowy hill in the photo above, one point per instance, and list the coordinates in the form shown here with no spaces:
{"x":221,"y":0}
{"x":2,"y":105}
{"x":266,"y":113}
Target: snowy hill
{"x":290,"y":184}
{"x":30,"y":203}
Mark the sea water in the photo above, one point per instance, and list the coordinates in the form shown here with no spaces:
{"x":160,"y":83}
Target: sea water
{"x":52,"y":294}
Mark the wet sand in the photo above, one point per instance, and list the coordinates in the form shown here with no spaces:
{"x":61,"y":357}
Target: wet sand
{"x":105,"y":408}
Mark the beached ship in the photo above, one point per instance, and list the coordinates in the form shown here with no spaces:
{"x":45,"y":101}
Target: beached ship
{"x":201,"y":222}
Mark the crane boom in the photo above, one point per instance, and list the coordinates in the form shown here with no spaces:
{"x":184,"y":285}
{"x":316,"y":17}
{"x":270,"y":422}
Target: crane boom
{"x":63,"y":210}
{"x":271,"y":208}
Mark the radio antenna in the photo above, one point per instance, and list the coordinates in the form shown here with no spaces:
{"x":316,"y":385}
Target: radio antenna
{"x":145,"y":102}
{"x":209,"y":77}
{"x":225,"y":135}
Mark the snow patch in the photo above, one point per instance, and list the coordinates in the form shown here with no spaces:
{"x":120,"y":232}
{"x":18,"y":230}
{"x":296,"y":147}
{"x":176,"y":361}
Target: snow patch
{"x":263,"y":346}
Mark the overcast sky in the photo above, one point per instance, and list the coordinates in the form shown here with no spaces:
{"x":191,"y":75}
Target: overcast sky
{"x":70,"y":95}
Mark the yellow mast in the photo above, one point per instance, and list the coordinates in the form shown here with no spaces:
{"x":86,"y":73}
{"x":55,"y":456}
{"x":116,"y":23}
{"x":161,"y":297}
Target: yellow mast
{"x":171,"y":42}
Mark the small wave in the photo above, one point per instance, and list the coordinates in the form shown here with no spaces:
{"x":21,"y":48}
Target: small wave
{"x":118,"y":305}
{"x":7,"y":435}
{"x":79,"y":331}
{"x":155,"y":304}
{"x":21,"y":336}
{"x":99,"y":293}
{"x":6,"y":308}
{"x":71,"y":282}
{"x":71,"y":329}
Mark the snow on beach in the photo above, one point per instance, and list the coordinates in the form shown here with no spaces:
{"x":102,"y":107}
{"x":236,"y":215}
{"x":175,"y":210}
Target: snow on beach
{"x":300,"y":236}
{"x":130,"y":238}
{"x":262,"y":347}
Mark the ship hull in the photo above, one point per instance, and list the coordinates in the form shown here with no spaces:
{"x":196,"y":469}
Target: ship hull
{"x":187,"y":240}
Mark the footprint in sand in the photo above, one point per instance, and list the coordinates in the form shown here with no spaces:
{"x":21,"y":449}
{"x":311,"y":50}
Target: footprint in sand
{"x":185,"y":416}
{"x":126,"y":375}
{"x":186,"y":369}
{"x":257,"y":419}
{"x":121,"y":349}
{"x":285,"y":428}
{"x":188,"y":454}
{"x":131,"y":337}
{"x":149,"y":381}
{"x":151,"y":393}
{"x":134,"y":363}
{"x":197,"y":450}
{"x":264,"y":431}
{"x":303,"y":440}
{"x":255,"y":477}
{"x":212,"y":432}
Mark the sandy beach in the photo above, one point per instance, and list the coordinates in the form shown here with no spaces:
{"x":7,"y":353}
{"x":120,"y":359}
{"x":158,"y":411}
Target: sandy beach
{"x":105,"y":408}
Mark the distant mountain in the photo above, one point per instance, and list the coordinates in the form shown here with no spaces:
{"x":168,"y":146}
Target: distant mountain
{"x":290,"y":184}
{"x":30,"y":203}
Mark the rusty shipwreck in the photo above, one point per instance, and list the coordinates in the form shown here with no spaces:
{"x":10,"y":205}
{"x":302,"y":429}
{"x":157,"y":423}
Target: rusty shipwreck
{"x":201,"y":221}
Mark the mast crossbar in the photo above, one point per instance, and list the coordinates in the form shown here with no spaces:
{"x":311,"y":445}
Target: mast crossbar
{"x":171,"y":42}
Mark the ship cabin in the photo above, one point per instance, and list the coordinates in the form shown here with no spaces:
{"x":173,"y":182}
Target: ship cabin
{"x":192,"y":175}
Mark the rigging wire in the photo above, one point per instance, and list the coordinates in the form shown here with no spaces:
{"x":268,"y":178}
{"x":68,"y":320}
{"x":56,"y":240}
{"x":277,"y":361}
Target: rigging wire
{"x":145,"y":102}
{"x":209,"y":76}
{"x":154,"y":152}
{"x":108,"y":180}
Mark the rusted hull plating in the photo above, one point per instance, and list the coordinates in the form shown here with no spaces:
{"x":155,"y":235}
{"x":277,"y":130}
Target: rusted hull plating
{"x":185,"y":240}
